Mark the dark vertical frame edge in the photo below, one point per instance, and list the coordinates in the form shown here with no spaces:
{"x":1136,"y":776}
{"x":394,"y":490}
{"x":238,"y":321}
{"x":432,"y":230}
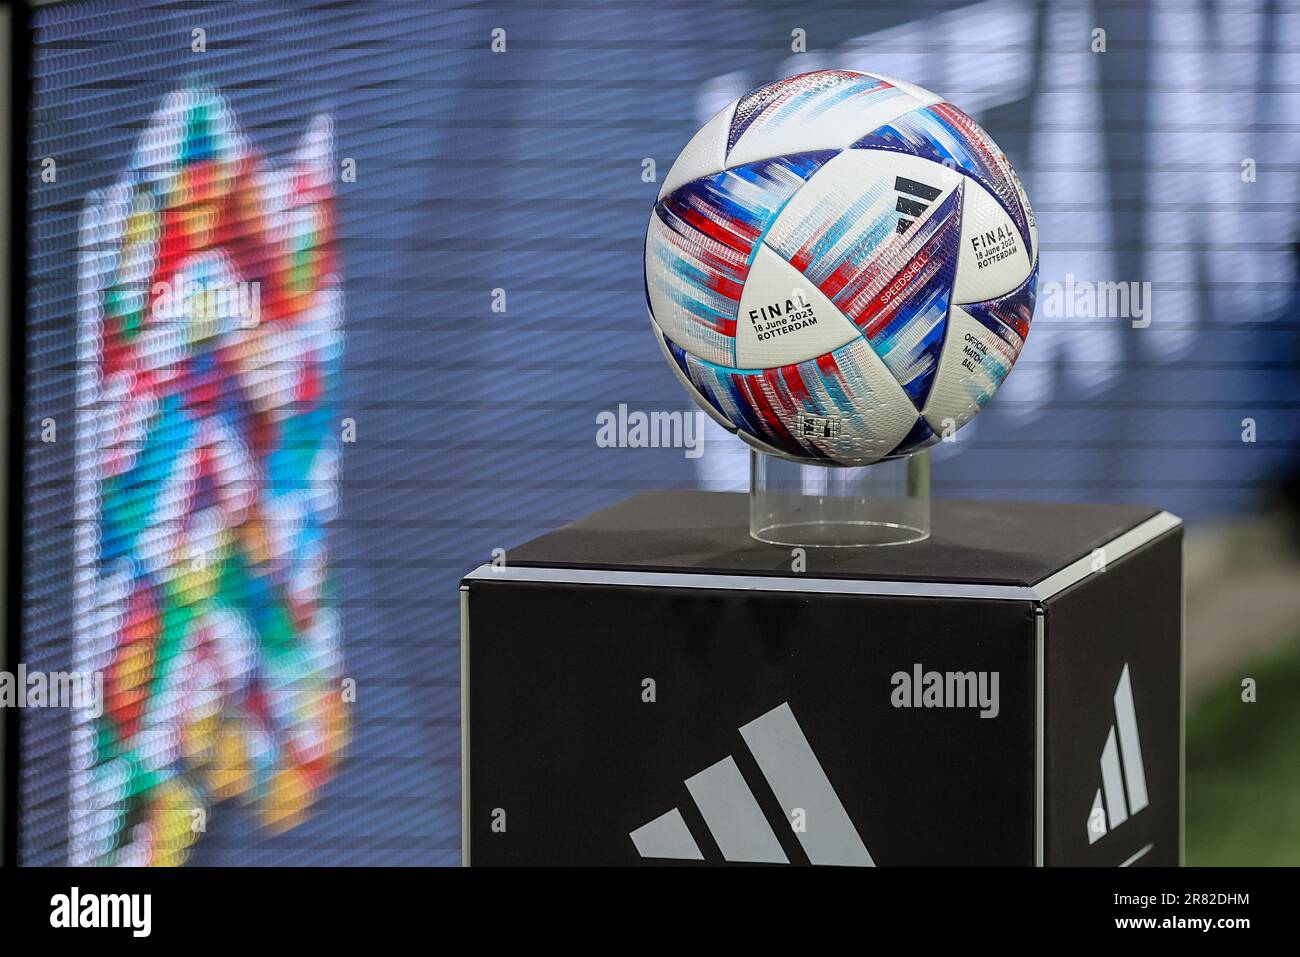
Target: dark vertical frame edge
{"x":17,"y":13}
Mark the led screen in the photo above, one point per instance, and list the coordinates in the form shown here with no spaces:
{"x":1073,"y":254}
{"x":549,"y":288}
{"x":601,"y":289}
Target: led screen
{"x":325,"y":303}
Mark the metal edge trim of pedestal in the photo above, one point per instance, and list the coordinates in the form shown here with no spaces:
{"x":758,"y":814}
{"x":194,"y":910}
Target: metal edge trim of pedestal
{"x":723,"y":582}
{"x":464,"y":726}
{"x":1182,"y":722}
{"x":1040,"y":733}
{"x":1116,"y":548}
{"x":1072,"y":574}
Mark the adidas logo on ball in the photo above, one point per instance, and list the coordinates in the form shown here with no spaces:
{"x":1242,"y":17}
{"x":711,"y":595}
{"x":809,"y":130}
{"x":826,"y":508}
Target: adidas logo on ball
{"x":908,"y":238}
{"x":912,"y":207}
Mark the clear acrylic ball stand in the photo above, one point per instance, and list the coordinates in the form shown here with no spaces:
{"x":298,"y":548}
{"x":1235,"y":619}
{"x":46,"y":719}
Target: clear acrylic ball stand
{"x":800,"y":504}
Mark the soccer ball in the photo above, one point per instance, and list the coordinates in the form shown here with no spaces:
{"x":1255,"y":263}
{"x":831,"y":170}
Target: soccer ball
{"x":840,"y":267}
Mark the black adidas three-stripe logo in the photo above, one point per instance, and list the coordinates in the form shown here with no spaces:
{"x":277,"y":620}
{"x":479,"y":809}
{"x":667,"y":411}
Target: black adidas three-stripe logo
{"x":912,"y":208}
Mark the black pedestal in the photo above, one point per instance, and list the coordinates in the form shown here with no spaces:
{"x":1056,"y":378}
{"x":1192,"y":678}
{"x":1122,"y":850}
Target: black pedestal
{"x":650,"y":685}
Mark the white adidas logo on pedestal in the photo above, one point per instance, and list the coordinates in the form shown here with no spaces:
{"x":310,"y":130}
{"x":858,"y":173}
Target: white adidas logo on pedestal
{"x":734,"y":818}
{"x":1126,"y":794}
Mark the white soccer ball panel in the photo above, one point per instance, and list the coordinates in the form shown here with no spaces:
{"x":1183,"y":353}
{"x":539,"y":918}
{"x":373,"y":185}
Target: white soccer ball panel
{"x":849,"y":210}
{"x":783,"y":318}
{"x":706,"y":153}
{"x":687,"y":384}
{"x":974,"y":363}
{"x":993,"y":259}
{"x":1029,"y":217}
{"x":799,"y":118}
{"x":922,"y":96}
{"x":844,"y":407}
{"x":677,"y":302}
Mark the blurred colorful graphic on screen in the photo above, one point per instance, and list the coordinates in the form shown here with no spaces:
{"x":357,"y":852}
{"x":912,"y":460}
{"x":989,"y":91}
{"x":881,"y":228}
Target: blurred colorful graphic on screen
{"x":210,"y":320}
